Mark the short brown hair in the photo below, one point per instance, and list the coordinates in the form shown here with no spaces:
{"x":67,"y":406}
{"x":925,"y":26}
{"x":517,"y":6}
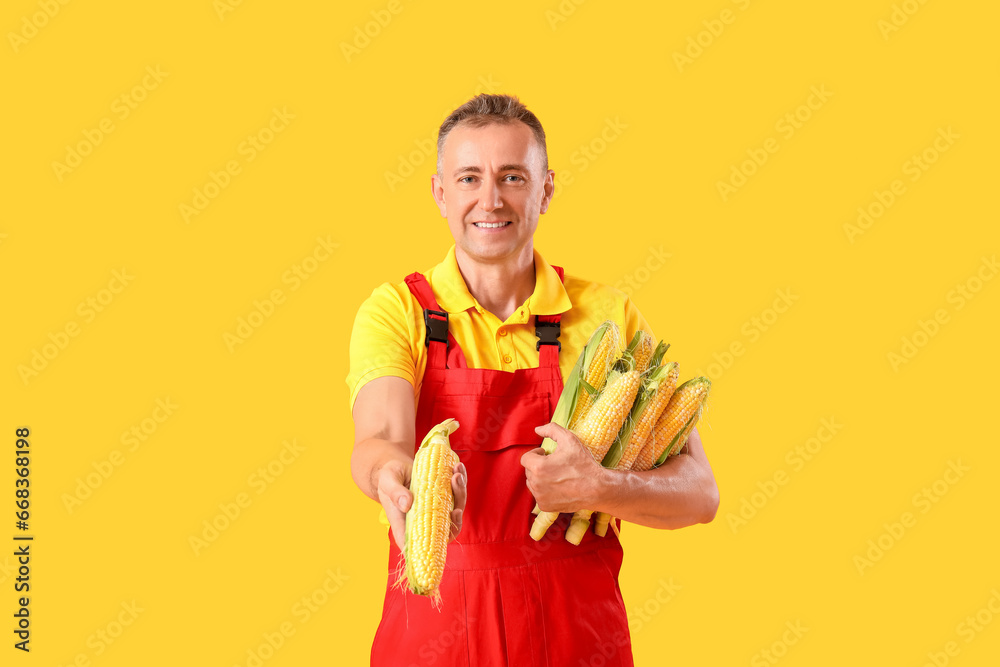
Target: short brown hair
{"x":483,"y":110}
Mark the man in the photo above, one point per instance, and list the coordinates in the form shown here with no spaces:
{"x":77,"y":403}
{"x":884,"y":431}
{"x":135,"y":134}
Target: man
{"x":487,"y":337}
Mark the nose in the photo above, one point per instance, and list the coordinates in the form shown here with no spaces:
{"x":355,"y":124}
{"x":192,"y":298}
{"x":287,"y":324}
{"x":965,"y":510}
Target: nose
{"x":489,"y":197}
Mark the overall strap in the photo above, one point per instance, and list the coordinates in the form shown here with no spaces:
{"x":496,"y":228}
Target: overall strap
{"x":547,"y":329}
{"x":442,"y":350}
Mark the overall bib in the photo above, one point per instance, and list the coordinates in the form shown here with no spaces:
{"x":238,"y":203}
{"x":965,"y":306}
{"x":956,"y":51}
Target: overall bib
{"x":506,"y":599}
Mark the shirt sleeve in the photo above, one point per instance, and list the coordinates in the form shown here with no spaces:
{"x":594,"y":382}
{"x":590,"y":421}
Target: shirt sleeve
{"x":380,"y":341}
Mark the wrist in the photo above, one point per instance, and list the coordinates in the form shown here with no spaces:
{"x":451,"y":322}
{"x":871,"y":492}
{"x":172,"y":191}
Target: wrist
{"x":609,"y":485}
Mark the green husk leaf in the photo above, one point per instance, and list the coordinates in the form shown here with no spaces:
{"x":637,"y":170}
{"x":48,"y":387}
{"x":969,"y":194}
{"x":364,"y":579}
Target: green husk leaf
{"x":658,"y":354}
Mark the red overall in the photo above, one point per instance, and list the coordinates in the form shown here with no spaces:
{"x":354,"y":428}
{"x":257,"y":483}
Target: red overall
{"x":506,"y":599}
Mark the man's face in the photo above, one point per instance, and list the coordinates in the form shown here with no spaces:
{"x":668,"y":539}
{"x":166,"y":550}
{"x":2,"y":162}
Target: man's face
{"x":492,"y":174}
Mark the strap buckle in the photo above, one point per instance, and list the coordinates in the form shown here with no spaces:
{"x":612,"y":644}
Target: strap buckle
{"x":548,"y":334}
{"x":437,"y":328}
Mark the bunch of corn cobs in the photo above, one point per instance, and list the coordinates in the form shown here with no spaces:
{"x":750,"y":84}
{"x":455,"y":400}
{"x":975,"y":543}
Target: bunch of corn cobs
{"x":624,"y":405}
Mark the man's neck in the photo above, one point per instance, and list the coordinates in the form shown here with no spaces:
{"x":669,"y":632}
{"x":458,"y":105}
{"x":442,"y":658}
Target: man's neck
{"x":499,"y":287}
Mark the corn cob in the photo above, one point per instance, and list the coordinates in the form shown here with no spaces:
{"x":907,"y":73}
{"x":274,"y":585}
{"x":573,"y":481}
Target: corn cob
{"x":607,"y":352}
{"x":649,"y":405}
{"x":675,"y":424}
{"x":588,"y":377}
{"x":643,"y":351}
{"x":428,"y":522}
{"x":598,"y":430}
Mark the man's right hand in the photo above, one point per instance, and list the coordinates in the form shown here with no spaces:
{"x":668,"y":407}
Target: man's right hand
{"x":392,"y":485}
{"x":382,"y":458}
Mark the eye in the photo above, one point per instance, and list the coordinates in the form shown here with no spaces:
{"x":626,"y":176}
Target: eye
{"x":514,"y":176}
{"x":465,"y":179}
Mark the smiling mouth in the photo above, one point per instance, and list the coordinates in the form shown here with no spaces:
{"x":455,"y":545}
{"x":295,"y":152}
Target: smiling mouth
{"x":491,"y":225}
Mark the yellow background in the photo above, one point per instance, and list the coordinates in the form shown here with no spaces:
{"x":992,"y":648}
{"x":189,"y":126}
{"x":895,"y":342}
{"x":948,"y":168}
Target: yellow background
{"x":358,"y":116}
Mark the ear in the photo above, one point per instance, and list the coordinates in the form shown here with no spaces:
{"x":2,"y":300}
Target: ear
{"x":548,"y":189}
{"x":437,"y":191}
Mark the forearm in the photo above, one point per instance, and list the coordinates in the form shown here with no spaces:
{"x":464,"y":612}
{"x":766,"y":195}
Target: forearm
{"x":680,"y":493}
{"x":370,"y":456}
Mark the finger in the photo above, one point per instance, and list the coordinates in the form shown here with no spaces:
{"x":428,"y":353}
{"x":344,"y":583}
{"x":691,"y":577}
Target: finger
{"x":562,"y":436}
{"x":391,"y":488}
{"x":530,"y":456}
{"x":403,"y":499}
{"x":397,"y":522}
{"x":551,"y":430}
{"x":459,"y":486}
{"x":396,"y":499}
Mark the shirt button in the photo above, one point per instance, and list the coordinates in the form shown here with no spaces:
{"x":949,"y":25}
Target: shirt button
{"x":506,"y":358}
{"x":503,"y":332}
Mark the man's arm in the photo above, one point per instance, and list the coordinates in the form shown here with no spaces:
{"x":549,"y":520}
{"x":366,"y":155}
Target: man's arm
{"x":383,"y":452}
{"x":679,"y":493}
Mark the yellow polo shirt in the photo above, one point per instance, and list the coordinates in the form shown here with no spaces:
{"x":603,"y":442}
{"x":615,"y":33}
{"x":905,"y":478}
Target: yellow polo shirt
{"x":388,"y":335}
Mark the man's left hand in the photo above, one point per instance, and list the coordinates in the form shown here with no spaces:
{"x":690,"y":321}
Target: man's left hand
{"x":566,"y":480}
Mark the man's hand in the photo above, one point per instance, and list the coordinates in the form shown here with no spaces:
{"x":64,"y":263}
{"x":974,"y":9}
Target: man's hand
{"x":567,"y":479}
{"x":392,"y":482}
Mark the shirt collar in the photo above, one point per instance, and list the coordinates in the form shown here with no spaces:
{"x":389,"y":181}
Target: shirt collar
{"x":549,"y":297}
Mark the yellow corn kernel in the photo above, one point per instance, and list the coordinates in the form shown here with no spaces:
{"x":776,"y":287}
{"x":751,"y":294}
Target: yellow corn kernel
{"x":671,"y":429}
{"x":428,"y":522}
{"x":609,"y":350}
{"x":643,"y":352}
{"x":597,"y":430}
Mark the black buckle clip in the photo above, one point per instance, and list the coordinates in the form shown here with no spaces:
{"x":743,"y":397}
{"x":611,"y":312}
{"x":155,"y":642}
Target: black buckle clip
{"x":548,"y":334}
{"x":437,"y":329}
